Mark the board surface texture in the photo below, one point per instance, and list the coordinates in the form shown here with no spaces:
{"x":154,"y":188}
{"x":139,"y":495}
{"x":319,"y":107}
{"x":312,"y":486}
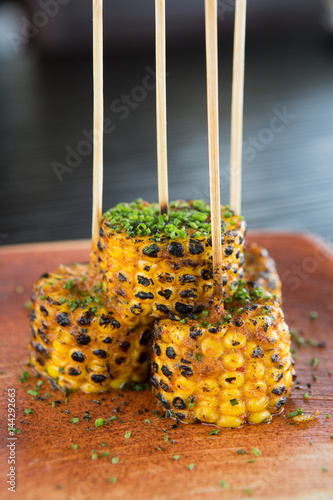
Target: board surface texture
{"x":296,"y":460}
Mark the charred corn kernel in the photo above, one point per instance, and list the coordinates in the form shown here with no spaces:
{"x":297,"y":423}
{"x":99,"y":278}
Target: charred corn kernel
{"x":77,"y":340}
{"x":259,"y":417}
{"x":229,"y":421}
{"x":231,"y":379}
{"x":234,"y":340}
{"x":274,"y":375}
{"x":162,"y":265}
{"x":242,"y":384}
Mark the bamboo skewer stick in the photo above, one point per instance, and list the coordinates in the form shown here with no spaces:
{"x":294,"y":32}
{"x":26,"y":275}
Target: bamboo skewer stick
{"x":213,"y":141}
{"x":237,"y":107}
{"x":161,"y":115}
{"x":98,"y":118}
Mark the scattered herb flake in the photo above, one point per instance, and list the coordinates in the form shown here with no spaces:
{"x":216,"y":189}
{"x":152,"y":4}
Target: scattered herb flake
{"x":295,"y":413}
{"x":314,"y":362}
{"x":24,"y":377}
{"x":99,"y":422}
{"x":224,"y":485}
{"x":32,"y":392}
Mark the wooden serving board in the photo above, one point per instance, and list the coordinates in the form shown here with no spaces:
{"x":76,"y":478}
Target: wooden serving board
{"x":296,"y":461}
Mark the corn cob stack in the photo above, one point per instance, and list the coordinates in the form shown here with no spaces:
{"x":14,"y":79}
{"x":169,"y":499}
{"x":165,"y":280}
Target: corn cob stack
{"x":227,"y":372}
{"x":80,"y":344}
{"x":77,"y":340}
{"x":157,"y":265}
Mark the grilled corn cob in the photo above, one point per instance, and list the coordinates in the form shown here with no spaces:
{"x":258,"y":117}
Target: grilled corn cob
{"x":227,"y":372}
{"x":162,"y":265}
{"x":260,"y":270}
{"x":77,"y":340}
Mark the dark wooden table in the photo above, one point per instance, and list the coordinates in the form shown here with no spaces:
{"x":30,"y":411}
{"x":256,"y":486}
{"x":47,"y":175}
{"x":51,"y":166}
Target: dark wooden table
{"x":46,"y":104}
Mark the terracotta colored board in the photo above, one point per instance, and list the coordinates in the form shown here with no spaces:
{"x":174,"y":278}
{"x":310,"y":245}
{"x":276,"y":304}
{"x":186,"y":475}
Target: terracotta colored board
{"x":289,"y":467}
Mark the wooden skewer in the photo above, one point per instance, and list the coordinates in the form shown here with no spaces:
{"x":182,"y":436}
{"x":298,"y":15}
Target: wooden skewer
{"x":161,"y":116}
{"x":213,"y":141}
{"x":98,"y":118}
{"x":237,"y":107}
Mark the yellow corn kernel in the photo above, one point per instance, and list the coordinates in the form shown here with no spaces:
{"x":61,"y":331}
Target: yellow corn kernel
{"x":287,"y":379}
{"x":250,"y":347}
{"x":226,"y":408}
{"x":229,"y":421}
{"x":206,"y":413}
{"x":186,"y":387}
{"x":255,"y":370}
{"x":65,"y":337}
{"x":273,"y":376}
{"x":60,"y":348}
{"x":53,"y":371}
{"x":255,"y":389}
{"x":97,"y":365}
{"x":234,"y":340}
{"x":258,"y":417}
{"x":69,"y":383}
{"x":231,"y":379}
{"x":212,"y":348}
{"x":233,"y":361}
{"x":58,"y":360}
{"x":256,"y":405}
{"x":209,"y":385}
{"x":273,"y":401}
{"x":228,"y":394}
{"x":179,"y":335}
{"x":91,"y":388}
{"x":117,"y":383}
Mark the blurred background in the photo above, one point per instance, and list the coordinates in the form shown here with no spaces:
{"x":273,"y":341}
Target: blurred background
{"x":46,"y":112}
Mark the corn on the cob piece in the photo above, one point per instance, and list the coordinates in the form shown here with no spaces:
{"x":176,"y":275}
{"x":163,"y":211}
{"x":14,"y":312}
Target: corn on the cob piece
{"x":260,"y":270}
{"x":77,"y":340}
{"x":159,"y":266}
{"x":229,"y":372}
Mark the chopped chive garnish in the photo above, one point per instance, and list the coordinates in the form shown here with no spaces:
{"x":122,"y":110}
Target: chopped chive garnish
{"x":99,"y":422}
